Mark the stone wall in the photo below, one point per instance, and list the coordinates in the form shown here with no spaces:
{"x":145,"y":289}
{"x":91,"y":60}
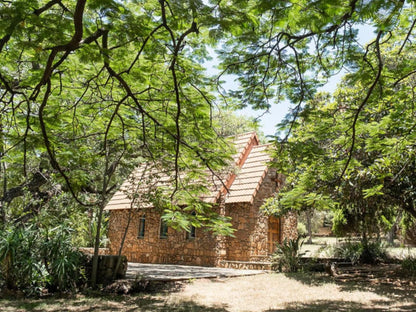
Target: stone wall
{"x":269,"y":187}
{"x":176,"y":248}
{"x":243,"y":221}
{"x":106,"y":267}
{"x":289,"y":226}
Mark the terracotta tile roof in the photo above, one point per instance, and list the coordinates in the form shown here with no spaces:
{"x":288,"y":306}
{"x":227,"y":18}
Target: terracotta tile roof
{"x":240,"y":186}
{"x":120,"y":200}
{"x":250,"y":177}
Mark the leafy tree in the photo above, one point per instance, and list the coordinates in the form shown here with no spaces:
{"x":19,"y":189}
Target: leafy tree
{"x":228,"y":123}
{"x":91,"y":89}
{"x":365,"y":186}
{"x":287,"y":49}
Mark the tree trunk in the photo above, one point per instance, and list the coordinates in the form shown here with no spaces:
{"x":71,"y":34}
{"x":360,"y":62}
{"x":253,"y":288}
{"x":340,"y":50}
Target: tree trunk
{"x":123,"y":239}
{"x":4,"y":182}
{"x":97,"y":245}
{"x":392,"y":233}
{"x":309,"y":215}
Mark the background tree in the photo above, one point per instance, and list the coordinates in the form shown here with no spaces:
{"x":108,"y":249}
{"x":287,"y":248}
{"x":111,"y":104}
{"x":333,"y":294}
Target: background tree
{"x":287,"y":49}
{"x":378,"y":182}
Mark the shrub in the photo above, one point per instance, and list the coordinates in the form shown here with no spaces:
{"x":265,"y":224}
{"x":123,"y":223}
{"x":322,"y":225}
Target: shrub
{"x":373,"y":252}
{"x":32,"y":260}
{"x":19,"y":269}
{"x":349,"y":251}
{"x":64,"y":265}
{"x":409,"y":266}
{"x":287,"y":257}
{"x":361,"y":252}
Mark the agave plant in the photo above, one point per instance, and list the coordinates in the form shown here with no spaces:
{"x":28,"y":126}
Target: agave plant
{"x":287,"y":257}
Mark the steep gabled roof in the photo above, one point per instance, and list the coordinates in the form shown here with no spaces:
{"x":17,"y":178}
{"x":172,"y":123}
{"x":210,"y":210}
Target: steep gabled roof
{"x":239,"y":186}
{"x":247,"y":182}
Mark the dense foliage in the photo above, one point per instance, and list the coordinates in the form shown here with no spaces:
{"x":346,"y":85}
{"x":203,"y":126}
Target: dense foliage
{"x":353,"y":152}
{"x":370,"y":252}
{"x":360,"y":165}
{"x":34,"y":259}
{"x":90,"y":89}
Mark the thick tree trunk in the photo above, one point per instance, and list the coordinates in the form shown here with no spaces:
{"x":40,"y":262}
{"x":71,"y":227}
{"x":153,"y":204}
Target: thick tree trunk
{"x":38,"y":179}
{"x":4,"y":180}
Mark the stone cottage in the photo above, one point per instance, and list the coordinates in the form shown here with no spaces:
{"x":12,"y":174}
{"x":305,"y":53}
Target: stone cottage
{"x":149,"y":240}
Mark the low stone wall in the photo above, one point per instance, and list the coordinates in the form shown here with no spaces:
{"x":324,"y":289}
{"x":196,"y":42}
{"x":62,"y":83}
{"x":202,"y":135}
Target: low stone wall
{"x":106,"y":267}
{"x":246,"y":265}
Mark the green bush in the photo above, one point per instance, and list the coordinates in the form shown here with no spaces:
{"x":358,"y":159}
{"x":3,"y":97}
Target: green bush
{"x":32,"y":259}
{"x":19,"y":270}
{"x":287,"y":257}
{"x":409,"y":266}
{"x":349,"y":251}
{"x":373,"y":252}
{"x":370,"y":252}
{"x":64,"y":263}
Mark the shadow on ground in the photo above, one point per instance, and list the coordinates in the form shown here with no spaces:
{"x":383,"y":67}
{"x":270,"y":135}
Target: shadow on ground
{"x":343,"y":306}
{"x":391,"y":283}
{"x":148,"y":297}
{"x":106,"y":304}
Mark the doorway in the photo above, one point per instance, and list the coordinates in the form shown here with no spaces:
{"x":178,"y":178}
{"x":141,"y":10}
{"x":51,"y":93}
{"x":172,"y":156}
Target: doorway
{"x":273,"y":234}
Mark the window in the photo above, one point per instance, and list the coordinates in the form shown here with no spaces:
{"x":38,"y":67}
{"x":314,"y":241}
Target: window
{"x":142,"y":225}
{"x":192,"y":230}
{"x":163,"y":229}
{"x":191,"y":233}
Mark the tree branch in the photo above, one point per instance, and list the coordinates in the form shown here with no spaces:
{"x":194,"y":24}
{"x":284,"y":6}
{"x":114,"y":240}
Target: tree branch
{"x":363,"y":103}
{"x":53,"y":161}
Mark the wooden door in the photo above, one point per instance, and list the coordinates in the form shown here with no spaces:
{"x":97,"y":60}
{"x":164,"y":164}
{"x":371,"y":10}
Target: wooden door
{"x":273,"y":236}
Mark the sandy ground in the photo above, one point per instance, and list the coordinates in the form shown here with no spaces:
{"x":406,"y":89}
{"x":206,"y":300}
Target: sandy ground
{"x":272,"y":292}
{"x":265,"y":292}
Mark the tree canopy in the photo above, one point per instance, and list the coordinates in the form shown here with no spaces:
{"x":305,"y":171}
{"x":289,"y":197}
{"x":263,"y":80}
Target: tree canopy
{"x":366,"y":187}
{"x":90,"y":89}
{"x":92,"y":84}
{"x":122,"y":72}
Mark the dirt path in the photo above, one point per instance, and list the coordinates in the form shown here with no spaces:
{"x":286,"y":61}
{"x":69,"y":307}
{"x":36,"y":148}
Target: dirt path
{"x":266,"y":292}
